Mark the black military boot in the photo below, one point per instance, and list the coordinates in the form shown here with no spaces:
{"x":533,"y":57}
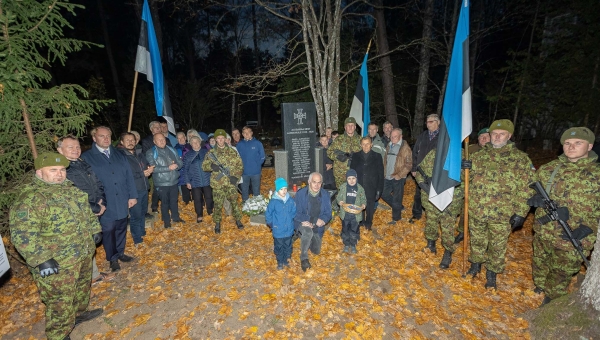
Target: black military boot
{"x":459,"y":238}
{"x":239,"y":224}
{"x":88,"y":315}
{"x":446,"y":260}
{"x":431,"y":246}
{"x":545,"y":301}
{"x":490,"y":277}
{"x":474,"y":269}
{"x":538,"y":290}
{"x":217,"y":228}
{"x":304,"y":264}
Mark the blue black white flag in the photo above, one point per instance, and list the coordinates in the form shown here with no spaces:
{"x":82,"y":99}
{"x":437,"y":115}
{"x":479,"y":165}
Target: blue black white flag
{"x":360,"y":104}
{"x":147,"y":61}
{"x":456,"y":118}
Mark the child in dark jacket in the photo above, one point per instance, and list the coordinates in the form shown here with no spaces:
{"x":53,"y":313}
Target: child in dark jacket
{"x":351,"y":193}
{"x":280,"y":218}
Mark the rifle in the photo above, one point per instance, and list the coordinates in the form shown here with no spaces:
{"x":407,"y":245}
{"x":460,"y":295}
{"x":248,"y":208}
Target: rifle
{"x":223,"y":171}
{"x":552,"y":210}
{"x":347,"y":154}
{"x":425,"y":185}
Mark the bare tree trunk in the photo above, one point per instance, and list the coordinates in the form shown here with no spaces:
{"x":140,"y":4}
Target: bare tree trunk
{"x":589,"y":292}
{"x":256,"y":59}
{"x":111,"y":61}
{"x":524,"y":75}
{"x":232,"y":111}
{"x":449,"y":46}
{"x":421,"y":100}
{"x":387,"y":75}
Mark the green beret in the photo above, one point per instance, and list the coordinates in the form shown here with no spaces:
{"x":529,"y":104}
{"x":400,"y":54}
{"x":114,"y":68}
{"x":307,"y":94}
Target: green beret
{"x":482,"y":131}
{"x":502,"y":124}
{"x":579,"y":133}
{"x":350,"y":120}
{"x":220,"y":132}
{"x":50,"y":159}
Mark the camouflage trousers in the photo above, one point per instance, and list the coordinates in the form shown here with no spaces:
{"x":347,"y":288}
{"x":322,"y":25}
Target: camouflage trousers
{"x":227,"y":192}
{"x":444,"y":220}
{"x":488,"y":242}
{"x":65,"y":294}
{"x":554,"y":268}
{"x":339,"y":172}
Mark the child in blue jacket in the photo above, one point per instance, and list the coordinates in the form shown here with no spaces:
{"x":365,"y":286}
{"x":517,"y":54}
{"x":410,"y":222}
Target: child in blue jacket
{"x":280,"y":218}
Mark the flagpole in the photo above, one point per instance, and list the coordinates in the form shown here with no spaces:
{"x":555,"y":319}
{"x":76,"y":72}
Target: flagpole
{"x":28,"y":129}
{"x":466,"y":210}
{"x":132,"y":100}
{"x":369,"y":46}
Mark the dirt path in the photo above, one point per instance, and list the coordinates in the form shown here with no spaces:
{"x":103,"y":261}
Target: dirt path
{"x":189,"y":283}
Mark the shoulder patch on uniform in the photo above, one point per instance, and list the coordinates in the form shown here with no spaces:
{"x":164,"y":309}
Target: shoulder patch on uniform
{"x":22,"y":214}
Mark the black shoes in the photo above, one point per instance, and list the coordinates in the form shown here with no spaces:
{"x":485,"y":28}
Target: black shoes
{"x":115,"y":266}
{"x":490,"y":277}
{"x":413,"y":219}
{"x":149,"y":216}
{"x":538,"y":290}
{"x":475,"y":269}
{"x":431,"y":246}
{"x":446,"y":260}
{"x":239,"y":224}
{"x":88,"y":315}
{"x":545,"y":301}
{"x":217,"y":228}
{"x":179,"y":221}
{"x":304,"y":264}
{"x":459,"y":238}
{"x":126,"y":258}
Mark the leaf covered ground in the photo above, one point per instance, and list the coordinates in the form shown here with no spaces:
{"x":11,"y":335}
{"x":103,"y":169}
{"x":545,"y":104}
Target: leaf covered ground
{"x":189,"y":283}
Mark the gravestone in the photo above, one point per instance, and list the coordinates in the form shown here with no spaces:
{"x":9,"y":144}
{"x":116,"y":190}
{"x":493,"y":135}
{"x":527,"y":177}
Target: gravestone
{"x":299,"y":121}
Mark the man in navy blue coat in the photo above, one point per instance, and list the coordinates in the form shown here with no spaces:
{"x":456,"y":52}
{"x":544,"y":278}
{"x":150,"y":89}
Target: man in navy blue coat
{"x":113,"y":170}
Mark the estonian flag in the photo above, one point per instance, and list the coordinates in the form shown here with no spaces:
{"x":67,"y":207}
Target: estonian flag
{"x":456,"y":118}
{"x":360,"y":104}
{"x":147,"y":61}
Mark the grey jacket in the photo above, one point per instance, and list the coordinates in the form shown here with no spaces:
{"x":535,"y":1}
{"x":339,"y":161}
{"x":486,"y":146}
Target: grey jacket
{"x":161,"y":159}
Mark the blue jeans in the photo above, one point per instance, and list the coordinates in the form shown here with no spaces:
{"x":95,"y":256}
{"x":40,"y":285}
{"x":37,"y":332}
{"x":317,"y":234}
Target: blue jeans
{"x":255,"y":180}
{"x":137,"y":217}
{"x":282,"y":247}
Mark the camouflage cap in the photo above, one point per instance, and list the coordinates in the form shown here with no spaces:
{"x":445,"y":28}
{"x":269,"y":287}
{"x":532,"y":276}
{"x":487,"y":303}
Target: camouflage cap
{"x":350,"y":120}
{"x":220,"y":132}
{"x":482,"y":131}
{"x":50,"y":159}
{"x":502,"y":124}
{"x":579,"y":133}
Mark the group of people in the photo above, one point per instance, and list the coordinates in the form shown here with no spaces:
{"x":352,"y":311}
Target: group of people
{"x":77,"y":201}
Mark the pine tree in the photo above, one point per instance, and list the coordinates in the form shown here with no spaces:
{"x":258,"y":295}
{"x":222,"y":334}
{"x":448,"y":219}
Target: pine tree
{"x":31,"y":41}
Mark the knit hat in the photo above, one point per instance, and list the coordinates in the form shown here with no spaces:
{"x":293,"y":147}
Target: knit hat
{"x":351,"y":173}
{"x":280,"y":183}
{"x":350,"y":120}
{"x":502,"y":124}
{"x":220,"y":132}
{"x":50,"y":159}
{"x":482,"y":131}
{"x":579,"y":133}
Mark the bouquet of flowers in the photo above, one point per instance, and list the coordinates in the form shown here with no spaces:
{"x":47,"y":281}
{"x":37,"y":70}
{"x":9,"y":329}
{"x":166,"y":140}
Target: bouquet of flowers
{"x":255,"y":205}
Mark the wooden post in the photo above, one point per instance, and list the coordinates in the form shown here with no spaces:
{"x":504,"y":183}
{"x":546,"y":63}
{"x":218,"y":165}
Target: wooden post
{"x":132,"y":100}
{"x":28,"y":128}
{"x":466,"y":210}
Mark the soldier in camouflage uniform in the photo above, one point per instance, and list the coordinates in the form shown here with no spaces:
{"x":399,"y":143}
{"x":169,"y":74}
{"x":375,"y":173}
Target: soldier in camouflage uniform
{"x":54,"y":229}
{"x":342,"y":149}
{"x":573,"y":182}
{"x":499,"y":191}
{"x":436,"y":218}
{"x":226,"y":166}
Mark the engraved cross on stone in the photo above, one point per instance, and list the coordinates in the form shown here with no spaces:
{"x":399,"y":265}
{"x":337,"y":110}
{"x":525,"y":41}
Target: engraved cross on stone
{"x":300,"y":115}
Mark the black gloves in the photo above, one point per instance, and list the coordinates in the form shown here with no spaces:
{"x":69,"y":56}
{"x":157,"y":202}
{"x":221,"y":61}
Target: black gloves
{"x":516,"y":221}
{"x":233,"y":180}
{"x":342,"y":157}
{"x":296,"y":235}
{"x":377,"y":196}
{"x":563,"y":213}
{"x":579,"y":234}
{"x":214,"y":167}
{"x":466,"y":164}
{"x":424,"y":186}
{"x":98,"y":238}
{"x":536,"y":201}
{"x":48,"y":268}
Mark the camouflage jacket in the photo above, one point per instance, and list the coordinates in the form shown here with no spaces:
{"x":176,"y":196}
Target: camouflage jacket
{"x":576,"y":186}
{"x":53,"y":221}
{"x":228,"y":158}
{"x":427,"y":167}
{"x":344,"y":143}
{"x":499,"y":182}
